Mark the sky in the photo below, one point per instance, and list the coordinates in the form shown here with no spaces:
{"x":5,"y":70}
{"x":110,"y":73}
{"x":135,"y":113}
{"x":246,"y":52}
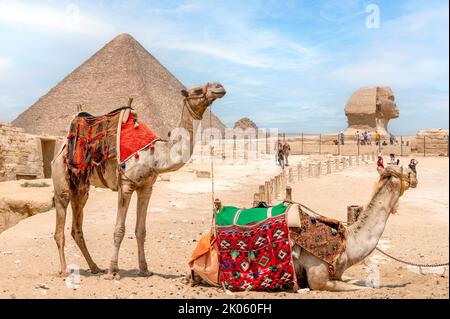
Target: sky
{"x":285,"y":64}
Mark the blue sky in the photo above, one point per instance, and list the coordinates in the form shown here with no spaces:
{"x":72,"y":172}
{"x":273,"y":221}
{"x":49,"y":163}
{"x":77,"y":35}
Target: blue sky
{"x":286,"y":64}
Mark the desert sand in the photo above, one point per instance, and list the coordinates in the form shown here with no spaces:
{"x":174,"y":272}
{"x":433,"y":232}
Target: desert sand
{"x":180,"y":212}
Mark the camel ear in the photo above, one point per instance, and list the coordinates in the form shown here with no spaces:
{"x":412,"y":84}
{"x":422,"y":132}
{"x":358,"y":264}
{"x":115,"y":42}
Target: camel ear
{"x":184,"y":93}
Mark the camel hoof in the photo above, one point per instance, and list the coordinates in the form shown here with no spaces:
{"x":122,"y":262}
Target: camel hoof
{"x":96,"y":270}
{"x":112,"y":276}
{"x":145,"y":273}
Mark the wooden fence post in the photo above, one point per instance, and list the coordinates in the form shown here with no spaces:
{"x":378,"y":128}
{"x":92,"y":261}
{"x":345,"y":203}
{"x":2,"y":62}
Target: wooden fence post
{"x":328,"y":167}
{"x":263,"y":192}
{"x":288,"y":193}
{"x":266,"y":190}
{"x":291,"y":178}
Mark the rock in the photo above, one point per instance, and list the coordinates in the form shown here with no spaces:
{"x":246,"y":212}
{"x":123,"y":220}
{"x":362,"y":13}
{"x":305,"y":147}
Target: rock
{"x":42,"y":286}
{"x":202,"y":174}
{"x":370,"y":109}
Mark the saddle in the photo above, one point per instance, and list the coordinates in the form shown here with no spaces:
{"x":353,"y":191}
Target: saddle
{"x":93,"y":140}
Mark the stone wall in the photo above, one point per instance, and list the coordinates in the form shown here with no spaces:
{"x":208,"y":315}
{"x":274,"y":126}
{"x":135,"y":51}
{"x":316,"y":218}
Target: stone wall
{"x":435,"y":141}
{"x":21,"y":153}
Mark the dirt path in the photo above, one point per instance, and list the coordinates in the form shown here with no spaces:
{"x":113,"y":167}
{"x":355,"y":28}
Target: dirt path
{"x":180,"y":212}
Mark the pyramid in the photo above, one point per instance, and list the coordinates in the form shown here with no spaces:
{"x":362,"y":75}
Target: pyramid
{"x":123,"y":68}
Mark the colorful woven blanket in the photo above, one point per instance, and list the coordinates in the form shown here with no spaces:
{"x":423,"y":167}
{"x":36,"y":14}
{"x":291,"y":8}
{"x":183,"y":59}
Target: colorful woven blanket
{"x":323,"y":237}
{"x":92,"y":141}
{"x":254,"y":254}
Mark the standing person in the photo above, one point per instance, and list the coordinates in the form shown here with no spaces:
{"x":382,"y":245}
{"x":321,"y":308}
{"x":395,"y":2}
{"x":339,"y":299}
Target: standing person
{"x":377,"y":138}
{"x":357,"y":137}
{"x":277,"y":148}
{"x":369,"y":138}
{"x":280,"y":157}
{"x":363,"y":138}
{"x":380,"y":165}
{"x":412,"y":165}
{"x":286,"y":152}
{"x":341,"y":138}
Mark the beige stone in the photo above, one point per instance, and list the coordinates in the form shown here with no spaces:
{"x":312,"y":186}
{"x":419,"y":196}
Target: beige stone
{"x":370,"y":109}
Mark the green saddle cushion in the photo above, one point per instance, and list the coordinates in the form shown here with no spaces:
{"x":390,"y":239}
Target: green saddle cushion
{"x":226,"y":215}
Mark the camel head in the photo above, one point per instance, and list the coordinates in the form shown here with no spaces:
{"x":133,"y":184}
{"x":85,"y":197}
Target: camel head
{"x":198,"y":98}
{"x":399,"y":178}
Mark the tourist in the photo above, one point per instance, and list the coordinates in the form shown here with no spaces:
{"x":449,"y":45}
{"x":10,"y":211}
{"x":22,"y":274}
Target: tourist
{"x":384,"y":143}
{"x":341,"y":137}
{"x":412,"y":165}
{"x":369,"y":138}
{"x":357,"y":137}
{"x":394,"y":161}
{"x":280,"y":157}
{"x":286,"y":152}
{"x":380,"y":165}
{"x":363,"y":138}
{"x":277,"y":148}
{"x":377,"y":138}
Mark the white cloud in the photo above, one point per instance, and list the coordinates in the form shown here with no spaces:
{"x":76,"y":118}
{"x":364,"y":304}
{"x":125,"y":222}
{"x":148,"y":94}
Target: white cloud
{"x":5,"y":64}
{"x":70,"y":18}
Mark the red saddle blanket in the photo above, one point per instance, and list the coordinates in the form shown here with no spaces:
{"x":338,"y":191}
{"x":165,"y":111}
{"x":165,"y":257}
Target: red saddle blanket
{"x":93,"y":140}
{"x":256,"y":256}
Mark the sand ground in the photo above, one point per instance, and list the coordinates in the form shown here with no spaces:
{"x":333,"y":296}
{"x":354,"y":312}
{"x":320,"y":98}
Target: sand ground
{"x":180,"y":211}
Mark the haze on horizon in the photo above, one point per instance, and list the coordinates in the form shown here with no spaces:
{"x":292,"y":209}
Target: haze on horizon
{"x":290,"y":65}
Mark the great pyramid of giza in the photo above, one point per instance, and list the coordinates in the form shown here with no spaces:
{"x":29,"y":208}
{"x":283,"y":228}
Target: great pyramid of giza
{"x":122,"y":68}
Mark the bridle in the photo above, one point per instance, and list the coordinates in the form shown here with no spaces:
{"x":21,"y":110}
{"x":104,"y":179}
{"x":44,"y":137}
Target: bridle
{"x":188,"y":105}
{"x":405,"y":179}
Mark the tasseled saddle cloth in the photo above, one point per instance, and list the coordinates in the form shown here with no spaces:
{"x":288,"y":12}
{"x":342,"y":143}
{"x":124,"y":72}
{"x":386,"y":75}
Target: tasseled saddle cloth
{"x":321,"y":236}
{"x":92,"y":140}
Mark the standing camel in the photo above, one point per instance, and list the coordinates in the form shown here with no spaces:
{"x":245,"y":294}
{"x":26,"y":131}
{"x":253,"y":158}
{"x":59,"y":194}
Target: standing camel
{"x":362,"y":236}
{"x":137,"y":176}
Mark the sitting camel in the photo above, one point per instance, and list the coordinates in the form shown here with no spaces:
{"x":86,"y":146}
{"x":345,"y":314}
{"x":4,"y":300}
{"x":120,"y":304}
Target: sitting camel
{"x":166,"y":156}
{"x":362,"y":236}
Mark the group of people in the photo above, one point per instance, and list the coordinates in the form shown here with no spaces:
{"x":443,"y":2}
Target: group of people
{"x":394,"y":161}
{"x":282,"y":151}
{"x":365,"y":138}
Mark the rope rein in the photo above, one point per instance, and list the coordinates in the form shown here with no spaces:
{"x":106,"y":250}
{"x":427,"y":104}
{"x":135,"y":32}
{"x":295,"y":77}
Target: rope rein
{"x":212,"y":169}
{"x":411,"y":263}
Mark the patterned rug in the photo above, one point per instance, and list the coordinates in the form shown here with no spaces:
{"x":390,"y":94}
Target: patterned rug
{"x":256,"y":256}
{"x":323,"y":237}
{"x":92,"y":140}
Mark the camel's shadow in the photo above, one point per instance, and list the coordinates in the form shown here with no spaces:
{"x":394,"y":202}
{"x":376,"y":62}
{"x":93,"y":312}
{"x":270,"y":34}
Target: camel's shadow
{"x":363,"y":283}
{"x":129,"y":273}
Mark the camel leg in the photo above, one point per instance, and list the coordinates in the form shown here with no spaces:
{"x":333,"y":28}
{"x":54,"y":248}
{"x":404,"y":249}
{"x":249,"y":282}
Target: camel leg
{"x":143,"y":198}
{"x":78,"y":201}
{"x":61,"y":203}
{"x":125,"y":191}
{"x":319,"y":279}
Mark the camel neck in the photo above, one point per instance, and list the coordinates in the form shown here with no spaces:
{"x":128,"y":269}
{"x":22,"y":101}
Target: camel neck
{"x":364,"y":234}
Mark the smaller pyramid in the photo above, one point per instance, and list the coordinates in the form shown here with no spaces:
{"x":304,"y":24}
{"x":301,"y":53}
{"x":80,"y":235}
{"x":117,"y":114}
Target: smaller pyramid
{"x":123,"y":68}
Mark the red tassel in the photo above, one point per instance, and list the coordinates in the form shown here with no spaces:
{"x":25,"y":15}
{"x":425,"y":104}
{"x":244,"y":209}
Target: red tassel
{"x":136,"y":155}
{"x":152,"y":147}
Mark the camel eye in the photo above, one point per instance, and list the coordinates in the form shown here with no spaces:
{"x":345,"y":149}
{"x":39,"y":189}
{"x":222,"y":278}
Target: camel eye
{"x":198,"y":91}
